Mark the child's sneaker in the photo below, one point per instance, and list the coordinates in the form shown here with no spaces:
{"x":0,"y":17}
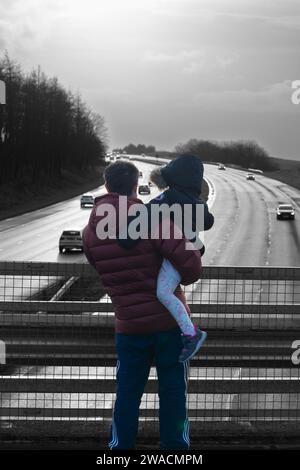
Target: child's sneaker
{"x":191,"y":345}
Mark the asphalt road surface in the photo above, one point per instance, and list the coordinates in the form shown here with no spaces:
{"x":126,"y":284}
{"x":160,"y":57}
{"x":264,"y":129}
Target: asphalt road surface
{"x":246,"y":231}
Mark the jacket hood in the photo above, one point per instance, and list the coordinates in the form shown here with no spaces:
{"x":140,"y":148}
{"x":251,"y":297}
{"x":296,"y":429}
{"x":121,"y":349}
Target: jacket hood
{"x":185,"y":172}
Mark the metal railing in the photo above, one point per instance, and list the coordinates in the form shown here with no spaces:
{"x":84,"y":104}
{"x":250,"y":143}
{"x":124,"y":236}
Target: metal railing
{"x":59,"y":371}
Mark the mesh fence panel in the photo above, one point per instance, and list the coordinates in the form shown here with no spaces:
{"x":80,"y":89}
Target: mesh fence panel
{"x":58,"y":358}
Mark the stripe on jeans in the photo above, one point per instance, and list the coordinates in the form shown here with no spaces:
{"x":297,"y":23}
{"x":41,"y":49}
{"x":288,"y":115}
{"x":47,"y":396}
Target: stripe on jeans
{"x":114,"y":441}
{"x":186,"y":426}
{"x":184,"y":435}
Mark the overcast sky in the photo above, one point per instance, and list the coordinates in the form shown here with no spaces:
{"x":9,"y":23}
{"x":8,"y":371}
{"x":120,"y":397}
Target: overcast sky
{"x":164,"y":71}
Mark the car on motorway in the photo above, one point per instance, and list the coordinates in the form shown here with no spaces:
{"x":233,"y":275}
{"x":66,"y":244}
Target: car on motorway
{"x":250,"y":176}
{"x":285,"y":211}
{"x":221,"y":167}
{"x":144,"y":189}
{"x":87,"y":199}
{"x":70,"y":239}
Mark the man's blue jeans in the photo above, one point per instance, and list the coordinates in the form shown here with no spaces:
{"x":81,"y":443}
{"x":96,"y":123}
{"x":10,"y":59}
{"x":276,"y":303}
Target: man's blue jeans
{"x":135,"y":357}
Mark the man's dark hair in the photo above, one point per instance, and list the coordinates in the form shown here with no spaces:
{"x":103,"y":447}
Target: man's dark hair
{"x":121,"y":177}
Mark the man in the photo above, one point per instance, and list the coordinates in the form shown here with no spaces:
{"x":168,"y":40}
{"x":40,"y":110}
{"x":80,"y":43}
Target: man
{"x":145,"y":331}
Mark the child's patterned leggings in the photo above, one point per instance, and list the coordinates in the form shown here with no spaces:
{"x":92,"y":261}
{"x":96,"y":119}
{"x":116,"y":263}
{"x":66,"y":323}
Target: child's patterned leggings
{"x":167,"y":281}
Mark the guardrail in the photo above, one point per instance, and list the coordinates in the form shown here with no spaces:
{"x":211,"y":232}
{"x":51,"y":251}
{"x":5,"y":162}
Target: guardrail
{"x":59,"y":375}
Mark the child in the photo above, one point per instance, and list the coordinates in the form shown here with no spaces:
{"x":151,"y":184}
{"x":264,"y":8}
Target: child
{"x":183,"y":178}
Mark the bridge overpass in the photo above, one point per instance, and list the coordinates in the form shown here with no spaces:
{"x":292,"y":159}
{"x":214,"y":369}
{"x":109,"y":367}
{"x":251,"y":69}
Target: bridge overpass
{"x":58,"y":382}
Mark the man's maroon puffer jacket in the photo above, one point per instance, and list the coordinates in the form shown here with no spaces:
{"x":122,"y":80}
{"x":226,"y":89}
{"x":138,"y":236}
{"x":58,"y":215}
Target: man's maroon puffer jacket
{"x":129,"y":276}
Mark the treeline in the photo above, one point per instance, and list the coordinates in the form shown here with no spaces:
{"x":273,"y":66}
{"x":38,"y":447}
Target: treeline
{"x":138,"y":149}
{"x":241,"y":153}
{"x":45,"y":129}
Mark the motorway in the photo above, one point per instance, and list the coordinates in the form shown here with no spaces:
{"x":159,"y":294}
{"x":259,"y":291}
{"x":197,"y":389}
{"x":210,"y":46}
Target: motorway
{"x":246,"y":231}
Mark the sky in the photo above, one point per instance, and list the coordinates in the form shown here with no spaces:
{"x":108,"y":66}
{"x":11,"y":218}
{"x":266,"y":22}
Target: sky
{"x":163,"y":71}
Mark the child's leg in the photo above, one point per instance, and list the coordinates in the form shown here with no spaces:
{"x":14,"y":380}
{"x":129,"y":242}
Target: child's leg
{"x":167,"y":281}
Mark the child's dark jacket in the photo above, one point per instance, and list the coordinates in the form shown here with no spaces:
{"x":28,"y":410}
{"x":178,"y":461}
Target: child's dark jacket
{"x":184,"y":176}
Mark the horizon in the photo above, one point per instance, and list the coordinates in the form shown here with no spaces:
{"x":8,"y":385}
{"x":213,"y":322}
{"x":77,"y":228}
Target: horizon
{"x":163,"y":72}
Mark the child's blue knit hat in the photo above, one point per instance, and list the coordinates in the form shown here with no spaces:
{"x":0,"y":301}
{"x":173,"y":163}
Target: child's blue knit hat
{"x":185,"y":172}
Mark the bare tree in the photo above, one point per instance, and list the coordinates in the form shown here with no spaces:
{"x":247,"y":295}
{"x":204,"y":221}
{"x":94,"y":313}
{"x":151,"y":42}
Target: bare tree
{"x":44,"y":128}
